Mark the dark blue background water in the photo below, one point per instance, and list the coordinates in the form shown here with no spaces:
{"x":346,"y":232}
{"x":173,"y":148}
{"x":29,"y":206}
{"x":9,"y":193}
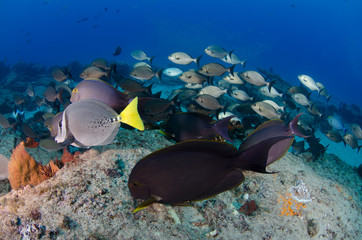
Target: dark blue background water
{"x":322,"y":38}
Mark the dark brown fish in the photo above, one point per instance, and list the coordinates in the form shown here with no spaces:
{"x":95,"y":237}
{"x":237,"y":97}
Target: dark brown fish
{"x":186,"y":126}
{"x":271,"y":129}
{"x":195,"y":170}
{"x":117,"y":52}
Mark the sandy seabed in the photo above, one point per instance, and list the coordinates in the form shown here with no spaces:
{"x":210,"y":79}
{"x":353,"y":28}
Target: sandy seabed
{"x":89,"y":199}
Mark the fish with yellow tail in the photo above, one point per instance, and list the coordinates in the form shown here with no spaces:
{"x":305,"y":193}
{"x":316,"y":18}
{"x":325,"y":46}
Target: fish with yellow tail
{"x":92,"y":123}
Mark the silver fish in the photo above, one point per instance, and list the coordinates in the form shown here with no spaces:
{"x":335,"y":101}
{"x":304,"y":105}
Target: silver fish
{"x":208,"y":102}
{"x":272,"y":92}
{"x":351,"y":141}
{"x":308,"y":82}
{"x":233,"y":59}
{"x":300,"y":99}
{"x":183,"y":58}
{"x":266,"y":110}
{"x":216,"y":51}
{"x":145,"y":73}
{"x":255,"y":78}
{"x":240,"y":95}
{"x":92,"y":123}
{"x":191,"y":76}
{"x":215,"y":69}
{"x":141,"y":56}
{"x":233,"y":78}
{"x":93,"y":72}
{"x":213,"y":91}
{"x":356,"y":130}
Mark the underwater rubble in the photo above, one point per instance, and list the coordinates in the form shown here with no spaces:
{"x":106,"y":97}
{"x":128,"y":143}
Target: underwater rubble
{"x":89,"y":199}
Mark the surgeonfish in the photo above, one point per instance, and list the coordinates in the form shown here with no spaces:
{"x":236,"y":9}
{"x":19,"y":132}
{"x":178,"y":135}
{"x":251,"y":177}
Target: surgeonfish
{"x":215,"y":69}
{"x":233,"y":78}
{"x":141,"y":56}
{"x":308,"y":82}
{"x":101,"y":91}
{"x":213,"y":91}
{"x":183,"y":58}
{"x":145,"y":73}
{"x":117,"y":52}
{"x":336,"y":122}
{"x":301,"y":99}
{"x":186,"y":126}
{"x":240,"y":95}
{"x":193,"y":77}
{"x":275,"y":105}
{"x":4,"y":122}
{"x":172,"y":72}
{"x":233,"y":59}
{"x":101,"y":63}
{"x":256,"y":79}
{"x":351,"y":141}
{"x":265,"y":110}
{"x":60,"y":74}
{"x":92,"y":123}
{"x":94,"y":72}
{"x":272,"y":92}
{"x":334,"y":136}
{"x":270,"y":129}
{"x":356,"y":130}
{"x":195,"y":170}
{"x":209,"y":102}
{"x":216,"y":51}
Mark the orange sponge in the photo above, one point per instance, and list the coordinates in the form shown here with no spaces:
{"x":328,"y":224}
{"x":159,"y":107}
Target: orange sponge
{"x":23,"y":169}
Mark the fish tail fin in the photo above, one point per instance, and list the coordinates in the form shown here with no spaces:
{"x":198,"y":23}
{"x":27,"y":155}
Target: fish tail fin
{"x":159,"y":74}
{"x":231,"y":69}
{"x":293,"y":126}
{"x":255,"y":157}
{"x":60,"y":95}
{"x":197,"y":61}
{"x":270,"y":84}
{"x":151,"y":59}
{"x":113,"y":67}
{"x":243,"y":63}
{"x":130,"y":116}
{"x":328,"y":98}
{"x":221,"y":127}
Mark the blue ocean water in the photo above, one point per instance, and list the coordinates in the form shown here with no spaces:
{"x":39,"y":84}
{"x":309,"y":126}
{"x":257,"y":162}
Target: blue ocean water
{"x":318,"y":38}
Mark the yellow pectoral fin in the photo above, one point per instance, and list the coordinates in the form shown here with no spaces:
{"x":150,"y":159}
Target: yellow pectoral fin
{"x":131,"y":117}
{"x":145,"y":204}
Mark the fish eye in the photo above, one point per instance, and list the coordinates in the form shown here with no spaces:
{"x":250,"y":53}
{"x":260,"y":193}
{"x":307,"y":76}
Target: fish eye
{"x":189,"y":76}
{"x":177,"y":58}
{"x":60,"y":124}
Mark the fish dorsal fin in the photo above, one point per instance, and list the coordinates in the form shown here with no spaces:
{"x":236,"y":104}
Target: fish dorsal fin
{"x":270,"y":123}
{"x":130,"y":116}
{"x":219,"y":148}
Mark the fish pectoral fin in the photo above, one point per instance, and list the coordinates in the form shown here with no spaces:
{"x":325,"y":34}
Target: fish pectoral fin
{"x":144,"y":204}
{"x":130,"y":116}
